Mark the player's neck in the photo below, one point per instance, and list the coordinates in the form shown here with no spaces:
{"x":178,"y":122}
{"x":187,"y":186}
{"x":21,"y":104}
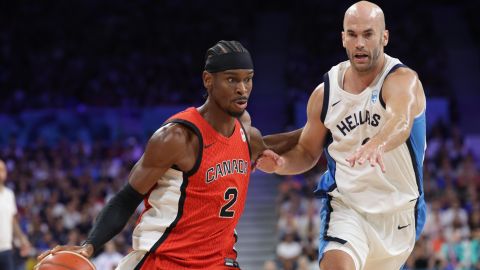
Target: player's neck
{"x":222,"y":122}
{"x":357,"y":81}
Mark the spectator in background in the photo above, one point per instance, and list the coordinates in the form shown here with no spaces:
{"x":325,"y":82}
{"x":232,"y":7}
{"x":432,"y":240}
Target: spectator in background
{"x":289,"y":250}
{"x":109,"y":258}
{"x":419,"y":258}
{"x":9,"y":228}
{"x":455,"y":219}
{"x":270,"y":265}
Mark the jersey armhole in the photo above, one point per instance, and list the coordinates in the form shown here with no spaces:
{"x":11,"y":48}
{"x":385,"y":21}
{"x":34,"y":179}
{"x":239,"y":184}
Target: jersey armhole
{"x":326,"y":96}
{"x":246,"y":137}
{"x":389,"y":72}
{"x":197,"y":132}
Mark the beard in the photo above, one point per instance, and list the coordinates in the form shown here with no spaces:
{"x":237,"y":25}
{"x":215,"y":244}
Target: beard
{"x":232,"y":113}
{"x":373,"y":59}
{"x":235,"y":114}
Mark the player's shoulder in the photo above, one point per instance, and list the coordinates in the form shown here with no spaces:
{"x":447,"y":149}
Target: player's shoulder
{"x":171,"y":134}
{"x":401,"y":78}
{"x":319,"y":88}
{"x":318,"y":94}
{"x":316,"y":102}
{"x":254,"y":135}
{"x":245,"y":119}
{"x":402,"y":73}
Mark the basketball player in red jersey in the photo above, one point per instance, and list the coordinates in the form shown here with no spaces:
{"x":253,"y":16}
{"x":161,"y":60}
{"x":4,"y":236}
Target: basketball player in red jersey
{"x":193,"y":177}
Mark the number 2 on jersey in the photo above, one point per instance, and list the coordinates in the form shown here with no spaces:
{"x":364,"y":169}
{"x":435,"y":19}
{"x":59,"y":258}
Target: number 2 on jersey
{"x":231,"y":198}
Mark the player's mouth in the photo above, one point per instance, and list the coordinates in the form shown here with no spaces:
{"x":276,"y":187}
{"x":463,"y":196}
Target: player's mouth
{"x":241,"y":103}
{"x":360,"y":57}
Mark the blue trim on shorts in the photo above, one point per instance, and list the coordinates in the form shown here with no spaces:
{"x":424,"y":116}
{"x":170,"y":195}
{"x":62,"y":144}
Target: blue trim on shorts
{"x":327,"y":184}
{"x":327,"y":181}
{"x":325,"y":211}
{"x":324,"y":238}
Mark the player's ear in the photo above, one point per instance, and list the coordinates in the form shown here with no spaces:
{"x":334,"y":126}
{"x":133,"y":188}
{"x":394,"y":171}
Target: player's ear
{"x":343,"y":39}
{"x":207,"y":80}
{"x":385,"y":37}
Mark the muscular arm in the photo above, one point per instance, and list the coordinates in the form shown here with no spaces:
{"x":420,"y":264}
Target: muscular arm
{"x":168,"y":146}
{"x":273,"y":142}
{"x":282,"y":142}
{"x":171,"y":145}
{"x":279,"y":143}
{"x":257,"y":144}
{"x":404,"y":99}
{"x":305,"y":154}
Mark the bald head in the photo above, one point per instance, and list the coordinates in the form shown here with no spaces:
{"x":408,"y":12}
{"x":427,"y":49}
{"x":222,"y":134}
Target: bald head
{"x":364,"y":12}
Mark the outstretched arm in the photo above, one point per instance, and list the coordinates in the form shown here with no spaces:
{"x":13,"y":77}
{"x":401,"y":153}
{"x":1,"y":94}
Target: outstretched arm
{"x":170,"y":145}
{"x":404,"y":99}
{"x":305,"y":154}
{"x":282,"y":142}
{"x":279,"y":143}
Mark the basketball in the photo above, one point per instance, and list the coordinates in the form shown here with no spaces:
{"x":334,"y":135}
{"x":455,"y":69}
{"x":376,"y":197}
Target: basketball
{"x":65,"y":260}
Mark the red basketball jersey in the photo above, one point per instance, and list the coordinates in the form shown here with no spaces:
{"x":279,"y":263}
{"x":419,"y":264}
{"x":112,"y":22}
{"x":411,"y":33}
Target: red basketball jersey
{"x":190,"y":217}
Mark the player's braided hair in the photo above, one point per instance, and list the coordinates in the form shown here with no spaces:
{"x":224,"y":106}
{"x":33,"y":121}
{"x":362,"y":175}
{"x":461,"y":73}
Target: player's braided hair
{"x":225,"y":46}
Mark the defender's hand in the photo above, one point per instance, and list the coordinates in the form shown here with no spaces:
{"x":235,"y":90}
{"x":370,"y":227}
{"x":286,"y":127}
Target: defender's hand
{"x":371,"y":152}
{"x":269,"y":161}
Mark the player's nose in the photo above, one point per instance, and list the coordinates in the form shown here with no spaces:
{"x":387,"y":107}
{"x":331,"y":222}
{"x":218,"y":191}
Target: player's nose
{"x":360,"y":43}
{"x":241,"y":88}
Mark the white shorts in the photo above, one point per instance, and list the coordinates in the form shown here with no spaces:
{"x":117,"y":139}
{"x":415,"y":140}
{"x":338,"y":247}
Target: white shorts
{"x":131,"y":261}
{"x":380,"y":241}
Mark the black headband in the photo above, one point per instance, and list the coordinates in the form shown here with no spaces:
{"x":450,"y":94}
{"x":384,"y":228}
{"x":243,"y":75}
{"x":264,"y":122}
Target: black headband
{"x":227,"y":61}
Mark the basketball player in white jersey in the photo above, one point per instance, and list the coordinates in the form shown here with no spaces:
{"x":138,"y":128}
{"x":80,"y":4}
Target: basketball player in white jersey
{"x":369,"y":117}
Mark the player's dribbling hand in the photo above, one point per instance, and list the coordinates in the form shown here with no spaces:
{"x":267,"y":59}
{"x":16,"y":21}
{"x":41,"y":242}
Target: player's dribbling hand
{"x":85,"y":250}
{"x":371,"y":152}
{"x":269,"y":161}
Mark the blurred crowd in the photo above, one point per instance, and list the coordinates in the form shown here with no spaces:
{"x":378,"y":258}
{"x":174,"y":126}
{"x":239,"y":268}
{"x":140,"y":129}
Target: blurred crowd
{"x":61,"y":188}
{"x":142,"y":53}
{"x":451,"y":237}
{"x":88,"y":53}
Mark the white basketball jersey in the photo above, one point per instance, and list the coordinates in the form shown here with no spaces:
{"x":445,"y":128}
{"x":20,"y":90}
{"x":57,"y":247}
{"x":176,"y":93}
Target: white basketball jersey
{"x":352,"y":119}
